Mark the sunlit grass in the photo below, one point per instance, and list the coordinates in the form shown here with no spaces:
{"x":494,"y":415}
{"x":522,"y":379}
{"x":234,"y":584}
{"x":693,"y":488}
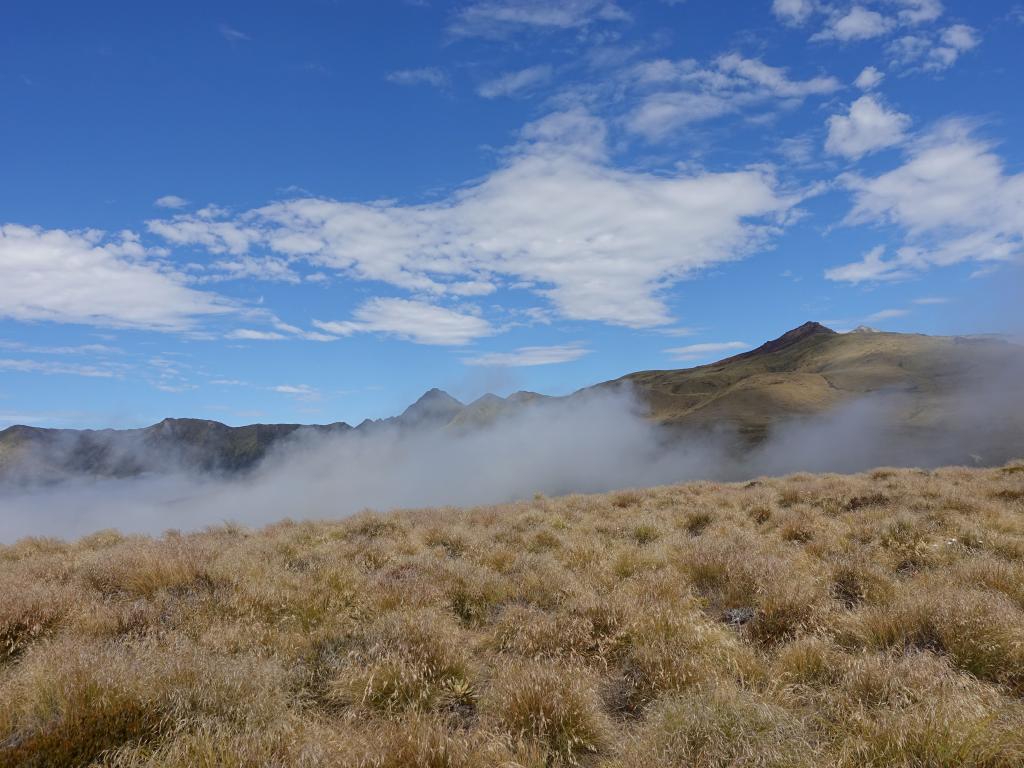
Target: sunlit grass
{"x":873,"y":620}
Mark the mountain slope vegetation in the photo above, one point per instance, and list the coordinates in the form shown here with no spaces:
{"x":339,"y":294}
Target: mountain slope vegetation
{"x":869,"y":620}
{"x":813,"y":369}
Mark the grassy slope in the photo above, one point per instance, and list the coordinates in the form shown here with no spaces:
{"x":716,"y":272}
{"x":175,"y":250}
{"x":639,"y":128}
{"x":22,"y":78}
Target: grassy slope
{"x":804,"y":621}
{"x":817,"y":373}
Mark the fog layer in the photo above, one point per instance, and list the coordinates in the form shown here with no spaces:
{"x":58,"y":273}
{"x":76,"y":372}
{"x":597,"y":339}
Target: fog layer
{"x":594,"y":443}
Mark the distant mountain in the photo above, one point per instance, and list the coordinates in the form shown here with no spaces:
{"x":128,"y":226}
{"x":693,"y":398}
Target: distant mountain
{"x":812,"y":369}
{"x":805,"y":372}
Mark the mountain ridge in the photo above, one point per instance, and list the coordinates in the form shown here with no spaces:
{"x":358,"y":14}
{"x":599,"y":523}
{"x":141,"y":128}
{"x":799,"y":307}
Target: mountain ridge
{"x":806,"y":371}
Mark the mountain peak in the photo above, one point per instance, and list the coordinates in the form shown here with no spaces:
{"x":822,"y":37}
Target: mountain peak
{"x":438,"y":396}
{"x":435,"y":405}
{"x":788,"y":339}
{"x":809,"y":328}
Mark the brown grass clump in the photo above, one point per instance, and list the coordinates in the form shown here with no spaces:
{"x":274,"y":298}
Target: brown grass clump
{"x":869,"y":620}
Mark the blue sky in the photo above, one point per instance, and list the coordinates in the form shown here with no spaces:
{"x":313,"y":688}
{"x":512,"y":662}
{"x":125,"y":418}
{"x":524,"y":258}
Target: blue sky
{"x":314,"y":211}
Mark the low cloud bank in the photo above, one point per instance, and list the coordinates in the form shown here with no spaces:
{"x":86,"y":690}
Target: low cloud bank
{"x":590,"y":444}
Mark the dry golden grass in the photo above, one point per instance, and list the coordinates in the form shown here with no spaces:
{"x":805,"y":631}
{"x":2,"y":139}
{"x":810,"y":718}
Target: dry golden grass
{"x":872,"y":620}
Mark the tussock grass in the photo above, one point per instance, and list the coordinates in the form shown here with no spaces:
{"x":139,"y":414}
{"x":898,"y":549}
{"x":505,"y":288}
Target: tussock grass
{"x":869,"y":620}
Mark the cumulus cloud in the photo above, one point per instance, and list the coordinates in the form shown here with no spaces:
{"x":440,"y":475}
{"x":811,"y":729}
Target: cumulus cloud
{"x":679,"y":93}
{"x":206,"y":229}
{"x":705,"y":351}
{"x":85,"y":277}
{"x":530,"y":356}
{"x":415,"y":321}
{"x":513,"y":83}
{"x":794,"y":12}
{"x":868,"y":78}
{"x":500,"y":18}
{"x":858,"y":23}
{"x":598,"y":242}
{"x":868,"y":127}
{"x":934,"y":53}
{"x":953,"y":199}
{"x":170,"y":201}
{"x":919,"y":11}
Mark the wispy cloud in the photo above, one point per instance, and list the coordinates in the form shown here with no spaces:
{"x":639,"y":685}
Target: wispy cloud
{"x":530,"y":356}
{"x":50,"y":368}
{"x":953,"y":199}
{"x":248,"y":334}
{"x":233,"y":35}
{"x":80,"y":349}
{"x":512,"y":83}
{"x":432,"y":76}
{"x":674,"y":94}
{"x":298,"y":391}
{"x":416,"y":321}
{"x":886,"y":314}
{"x":500,"y":18}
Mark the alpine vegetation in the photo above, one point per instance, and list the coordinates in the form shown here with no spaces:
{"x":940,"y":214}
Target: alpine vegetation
{"x":810,"y":620}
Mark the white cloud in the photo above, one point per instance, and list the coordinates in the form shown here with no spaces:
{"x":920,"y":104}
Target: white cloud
{"x":661,"y":114}
{"x":886,"y":314}
{"x":241,"y":267}
{"x":247,"y":334}
{"x":598,"y":242}
{"x":955,"y":40}
{"x":298,"y":391}
{"x":51,"y":368}
{"x":80,"y":349}
{"x":868,"y":127}
{"x":512,"y":83}
{"x":294,"y":330}
{"x":233,"y":35}
{"x":953,"y":199}
{"x":868,"y":78}
{"x":170,"y":201}
{"x":858,"y":24}
{"x":919,"y":11}
{"x":203,"y":229}
{"x":703,"y":351}
{"x":530,"y":356}
{"x":794,"y":12}
{"x":961,"y":37}
{"x":82,"y":277}
{"x":499,"y":18}
{"x":774,"y":79}
{"x":415,"y":321}
{"x":424,"y":76}
{"x":934,"y":54}
{"x":686,"y":93}
{"x":872,"y":268}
